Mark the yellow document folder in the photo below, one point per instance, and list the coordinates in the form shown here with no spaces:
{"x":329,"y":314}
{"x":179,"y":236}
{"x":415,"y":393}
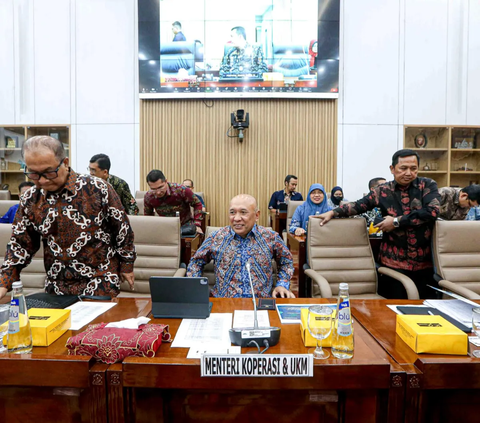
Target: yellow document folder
{"x":431,"y":334}
{"x":48,"y":324}
{"x":308,"y":339}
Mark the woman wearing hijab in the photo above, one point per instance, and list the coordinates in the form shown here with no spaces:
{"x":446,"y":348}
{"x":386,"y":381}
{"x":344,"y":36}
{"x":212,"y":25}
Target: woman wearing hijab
{"x":336,"y":197}
{"x":316,"y":204}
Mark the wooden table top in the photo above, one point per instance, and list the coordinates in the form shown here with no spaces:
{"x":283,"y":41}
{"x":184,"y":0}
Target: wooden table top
{"x":370,"y":366}
{"x":125,"y":309}
{"x":439,"y":370}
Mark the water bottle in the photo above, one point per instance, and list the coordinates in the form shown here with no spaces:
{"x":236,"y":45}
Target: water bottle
{"x":19,"y":337}
{"x":342,"y":337}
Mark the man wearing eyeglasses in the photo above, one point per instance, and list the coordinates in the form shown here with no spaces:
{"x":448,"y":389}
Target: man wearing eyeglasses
{"x":87,"y":238}
{"x":167,"y":199}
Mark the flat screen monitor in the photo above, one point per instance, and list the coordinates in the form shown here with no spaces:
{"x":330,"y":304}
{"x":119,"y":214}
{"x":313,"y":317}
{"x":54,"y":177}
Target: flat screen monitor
{"x":248,"y":48}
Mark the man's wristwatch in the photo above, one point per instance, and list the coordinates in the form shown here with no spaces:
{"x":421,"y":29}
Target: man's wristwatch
{"x":396,"y":223}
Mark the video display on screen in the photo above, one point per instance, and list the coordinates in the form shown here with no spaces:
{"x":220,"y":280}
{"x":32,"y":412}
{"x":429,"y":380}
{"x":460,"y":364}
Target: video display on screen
{"x":248,"y":48}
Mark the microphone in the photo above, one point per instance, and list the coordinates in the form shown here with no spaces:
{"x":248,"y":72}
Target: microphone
{"x":268,"y":336}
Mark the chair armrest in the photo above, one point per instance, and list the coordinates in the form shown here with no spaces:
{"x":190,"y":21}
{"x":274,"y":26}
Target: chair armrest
{"x":410,"y":287}
{"x":323,"y":285}
{"x":180,"y":273}
{"x":461,"y":290}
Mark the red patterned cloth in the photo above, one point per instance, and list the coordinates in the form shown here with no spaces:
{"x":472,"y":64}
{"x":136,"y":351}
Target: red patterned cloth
{"x":110,"y":345}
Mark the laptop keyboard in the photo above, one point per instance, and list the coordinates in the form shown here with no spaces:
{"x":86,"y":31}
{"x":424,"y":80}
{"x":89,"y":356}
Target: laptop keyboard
{"x":36,"y":303}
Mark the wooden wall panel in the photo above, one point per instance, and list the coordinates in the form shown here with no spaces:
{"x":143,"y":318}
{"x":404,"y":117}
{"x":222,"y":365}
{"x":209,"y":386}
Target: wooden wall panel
{"x":187,"y":139}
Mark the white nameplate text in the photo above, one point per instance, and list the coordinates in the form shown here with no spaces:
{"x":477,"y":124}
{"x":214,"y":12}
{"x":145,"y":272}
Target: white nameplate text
{"x":257,"y":365}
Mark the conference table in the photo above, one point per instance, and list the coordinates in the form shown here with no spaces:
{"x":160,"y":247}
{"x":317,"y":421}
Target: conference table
{"x":170,"y":388}
{"x":51,"y":386}
{"x":384,"y":382}
{"x":439,"y":388}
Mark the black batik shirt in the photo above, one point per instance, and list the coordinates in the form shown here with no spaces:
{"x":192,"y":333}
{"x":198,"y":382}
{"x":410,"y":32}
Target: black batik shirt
{"x":409,"y":246}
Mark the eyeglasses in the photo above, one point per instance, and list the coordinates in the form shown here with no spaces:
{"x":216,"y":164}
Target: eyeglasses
{"x":51,"y":174}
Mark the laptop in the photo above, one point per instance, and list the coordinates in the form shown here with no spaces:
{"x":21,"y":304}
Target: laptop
{"x":44,"y":300}
{"x":180,"y":298}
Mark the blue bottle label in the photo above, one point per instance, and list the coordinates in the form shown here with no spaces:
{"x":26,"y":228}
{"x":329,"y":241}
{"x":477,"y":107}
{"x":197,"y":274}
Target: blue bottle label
{"x":14,"y":320}
{"x":344,"y":327}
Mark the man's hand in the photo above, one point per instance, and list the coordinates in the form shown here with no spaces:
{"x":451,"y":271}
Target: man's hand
{"x":386,"y":224}
{"x":130,"y":278}
{"x":282,"y":292}
{"x":299,"y":231}
{"x":325,"y":217}
{"x":199,"y":230}
{"x":3,"y":292}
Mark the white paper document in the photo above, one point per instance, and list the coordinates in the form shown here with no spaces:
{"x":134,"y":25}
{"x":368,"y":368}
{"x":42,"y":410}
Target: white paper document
{"x":245,"y":319}
{"x":213,"y":329}
{"x":84,"y":312}
{"x":197,"y":350}
{"x":458,"y":309}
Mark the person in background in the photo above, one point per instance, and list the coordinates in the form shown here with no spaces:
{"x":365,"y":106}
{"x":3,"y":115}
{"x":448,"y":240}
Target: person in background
{"x":86,"y":234}
{"x":167,"y":198}
{"x":177,"y":32}
{"x":286,"y":194}
{"x":473,"y":214}
{"x":316,"y":204}
{"x":336,"y":197}
{"x":100,"y":167}
{"x":375,"y":213}
{"x":242,"y":59}
{"x":189,"y":184}
{"x":232,"y":247}
{"x":10,"y":214}
{"x":455,"y":203}
{"x":410,"y":205}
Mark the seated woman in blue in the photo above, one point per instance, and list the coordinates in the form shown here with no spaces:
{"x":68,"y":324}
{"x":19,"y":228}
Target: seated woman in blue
{"x":316,"y":204}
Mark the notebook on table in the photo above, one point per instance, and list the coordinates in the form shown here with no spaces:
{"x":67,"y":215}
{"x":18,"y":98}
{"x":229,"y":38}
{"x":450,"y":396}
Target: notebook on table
{"x":180,"y":298}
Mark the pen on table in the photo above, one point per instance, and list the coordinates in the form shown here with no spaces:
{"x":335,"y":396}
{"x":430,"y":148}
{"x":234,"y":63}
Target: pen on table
{"x":431,"y":314}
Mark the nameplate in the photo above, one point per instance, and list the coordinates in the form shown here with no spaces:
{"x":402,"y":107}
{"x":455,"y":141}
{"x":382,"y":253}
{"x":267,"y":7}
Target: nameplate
{"x":257,"y":365}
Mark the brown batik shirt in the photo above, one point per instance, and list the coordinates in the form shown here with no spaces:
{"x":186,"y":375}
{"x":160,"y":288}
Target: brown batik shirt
{"x":86,"y":236}
{"x":450,"y":204}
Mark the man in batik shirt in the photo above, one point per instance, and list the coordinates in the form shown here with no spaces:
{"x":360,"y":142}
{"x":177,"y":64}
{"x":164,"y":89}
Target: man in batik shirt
{"x":410,"y":205}
{"x":455,"y":203}
{"x":100,"y":167}
{"x":167,"y":199}
{"x":242,"y":59}
{"x":232,"y":247}
{"x":86,"y":235}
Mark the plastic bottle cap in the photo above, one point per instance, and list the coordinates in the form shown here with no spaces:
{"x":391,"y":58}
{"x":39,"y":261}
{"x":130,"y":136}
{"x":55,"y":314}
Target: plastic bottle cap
{"x":17,"y":284}
{"x":343,"y":286}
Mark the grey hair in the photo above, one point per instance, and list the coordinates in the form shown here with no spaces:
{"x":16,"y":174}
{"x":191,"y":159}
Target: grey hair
{"x":45,"y":142}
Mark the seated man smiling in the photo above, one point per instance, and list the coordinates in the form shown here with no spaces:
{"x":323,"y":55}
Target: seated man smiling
{"x":232,"y":247}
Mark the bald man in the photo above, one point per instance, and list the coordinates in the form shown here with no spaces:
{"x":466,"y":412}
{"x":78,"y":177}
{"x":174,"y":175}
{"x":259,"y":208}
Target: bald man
{"x":86,"y":234}
{"x":232,"y":247}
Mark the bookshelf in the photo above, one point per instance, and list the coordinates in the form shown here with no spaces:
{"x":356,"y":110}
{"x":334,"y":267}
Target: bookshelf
{"x":448,"y":154}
